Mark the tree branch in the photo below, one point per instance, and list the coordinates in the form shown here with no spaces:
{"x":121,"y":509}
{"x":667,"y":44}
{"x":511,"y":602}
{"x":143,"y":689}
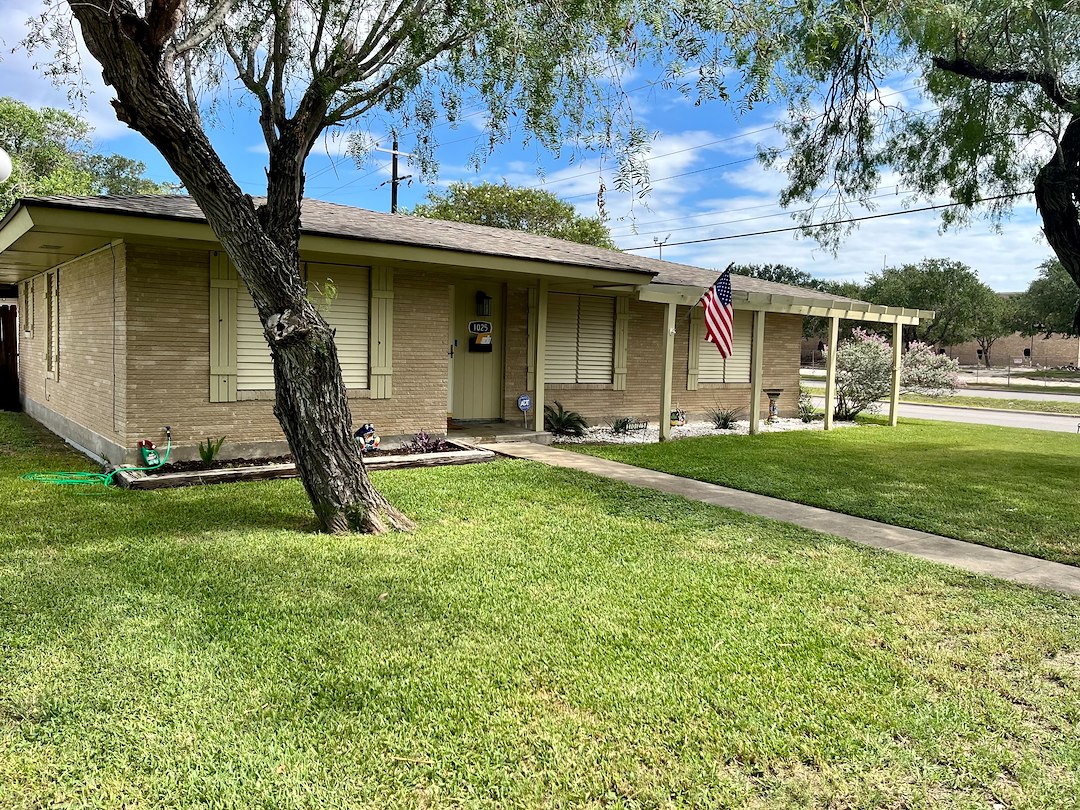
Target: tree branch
{"x":1063,"y":95}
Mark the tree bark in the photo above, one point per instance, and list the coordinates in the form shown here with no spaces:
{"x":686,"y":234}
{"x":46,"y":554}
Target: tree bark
{"x":311,"y":402}
{"x":1057,"y":188}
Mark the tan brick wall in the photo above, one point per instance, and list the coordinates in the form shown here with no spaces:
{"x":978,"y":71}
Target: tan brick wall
{"x":169,"y":358}
{"x":641,"y":398}
{"x":1055,"y":351}
{"x":91,"y":348}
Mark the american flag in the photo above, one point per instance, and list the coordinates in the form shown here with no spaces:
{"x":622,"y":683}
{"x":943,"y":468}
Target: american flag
{"x":718,"y":313}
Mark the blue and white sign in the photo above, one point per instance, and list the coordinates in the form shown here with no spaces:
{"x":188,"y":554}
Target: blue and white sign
{"x":524,"y":403}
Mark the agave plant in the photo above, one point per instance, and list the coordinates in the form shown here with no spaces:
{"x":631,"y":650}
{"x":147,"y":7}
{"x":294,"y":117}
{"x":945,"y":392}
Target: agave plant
{"x":562,"y":422}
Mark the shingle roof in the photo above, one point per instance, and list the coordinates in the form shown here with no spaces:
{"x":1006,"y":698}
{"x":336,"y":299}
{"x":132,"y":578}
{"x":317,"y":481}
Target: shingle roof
{"x":342,"y":221}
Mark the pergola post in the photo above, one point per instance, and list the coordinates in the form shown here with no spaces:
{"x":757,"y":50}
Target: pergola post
{"x":830,"y":372}
{"x":757,"y":358}
{"x":894,"y":395}
{"x":541,"y":351}
{"x":666,"y":372}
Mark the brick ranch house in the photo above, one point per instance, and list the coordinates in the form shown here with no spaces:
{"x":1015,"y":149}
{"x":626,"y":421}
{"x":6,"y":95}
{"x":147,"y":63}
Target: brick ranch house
{"x":132,"y":317}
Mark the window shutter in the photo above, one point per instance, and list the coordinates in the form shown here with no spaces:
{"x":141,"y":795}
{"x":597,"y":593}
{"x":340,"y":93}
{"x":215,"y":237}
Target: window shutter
{"x":560,"y":358}
{"x":52,"y":324}
{"x":530,"y":360}
{"x":622,"y":329}
{"x":693,"y":356}
{"x":381,"y":347}
{"x":223,"y":289}
{"x":737,"y":367}
{"x":347,"y":314}
{"x":596,"y":339}
{"x":254,"y":366}
{"x":711,"y":367}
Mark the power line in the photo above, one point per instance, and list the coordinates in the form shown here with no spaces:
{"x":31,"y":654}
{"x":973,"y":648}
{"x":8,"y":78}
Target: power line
{"x":847,"y":221}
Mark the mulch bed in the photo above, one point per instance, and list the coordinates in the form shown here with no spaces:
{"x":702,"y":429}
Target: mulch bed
{"x":234,"y":463}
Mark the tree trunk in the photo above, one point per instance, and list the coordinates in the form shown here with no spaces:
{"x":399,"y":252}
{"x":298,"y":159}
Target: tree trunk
{"x":311,"y":402}
{"x":1057,"y":187}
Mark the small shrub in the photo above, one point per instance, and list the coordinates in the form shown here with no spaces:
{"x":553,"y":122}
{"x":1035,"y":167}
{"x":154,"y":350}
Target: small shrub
{"x":807,"y":412}
{"x":925,"y":371}
{"x":208,"y":451}
{"x":863,"y":373}
{"x":423,"y":443}
{"x":562,"y":422}
{"x":723,"y":418}
{"x":622,"y":425}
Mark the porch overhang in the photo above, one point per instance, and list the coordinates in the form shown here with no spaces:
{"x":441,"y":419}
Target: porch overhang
{"x":789,"y":304}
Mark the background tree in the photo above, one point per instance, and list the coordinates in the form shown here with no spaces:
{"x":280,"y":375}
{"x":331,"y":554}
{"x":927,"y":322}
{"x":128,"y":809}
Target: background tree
{"x":1047,"y":306}
{"x":516,"y":209}
{"x":327,"y":63}
{"x":52,"y":153}
{"x":995,"y":318}
{"x":998,"y":115}
{"x":949,"y":288}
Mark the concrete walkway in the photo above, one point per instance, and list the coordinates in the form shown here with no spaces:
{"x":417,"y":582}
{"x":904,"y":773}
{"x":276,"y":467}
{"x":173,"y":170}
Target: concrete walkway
{"x":969,"y":556}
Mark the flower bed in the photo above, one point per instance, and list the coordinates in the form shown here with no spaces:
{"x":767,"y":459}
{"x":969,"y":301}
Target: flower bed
{"x":602,"y":434}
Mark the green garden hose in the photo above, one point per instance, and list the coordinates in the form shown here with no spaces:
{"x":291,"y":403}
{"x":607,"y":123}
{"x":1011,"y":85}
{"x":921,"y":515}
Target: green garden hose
{"x":82,"y":479}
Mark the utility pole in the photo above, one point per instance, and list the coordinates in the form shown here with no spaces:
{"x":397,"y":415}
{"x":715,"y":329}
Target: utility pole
{"x":394,"y":180}
{"x":660,"y":244}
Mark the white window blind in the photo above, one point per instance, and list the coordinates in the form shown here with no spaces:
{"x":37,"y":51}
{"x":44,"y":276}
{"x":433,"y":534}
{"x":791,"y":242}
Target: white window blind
{"x":347,"y":314}
{"x":712,"y":368}
{"x":580,"y":339}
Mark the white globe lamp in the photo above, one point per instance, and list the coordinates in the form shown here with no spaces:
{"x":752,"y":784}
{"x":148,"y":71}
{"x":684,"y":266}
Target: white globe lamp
{"x":5,"y":166}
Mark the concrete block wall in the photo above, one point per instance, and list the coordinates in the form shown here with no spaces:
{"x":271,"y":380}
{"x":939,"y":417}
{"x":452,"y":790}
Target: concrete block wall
{"x":86,"y":402}
{"x":1006,"y":351}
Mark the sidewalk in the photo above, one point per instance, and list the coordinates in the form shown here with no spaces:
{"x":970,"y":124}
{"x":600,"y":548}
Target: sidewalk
{"x":968,"y":556}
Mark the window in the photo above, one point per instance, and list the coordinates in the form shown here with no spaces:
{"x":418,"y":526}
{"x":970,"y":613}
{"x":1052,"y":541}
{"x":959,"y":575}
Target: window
{"x":580,"y":339}
{"x":26,"y":308}
{"x":52,"y":323}
{"x":712,"y":368}
{"x":345,"y":309}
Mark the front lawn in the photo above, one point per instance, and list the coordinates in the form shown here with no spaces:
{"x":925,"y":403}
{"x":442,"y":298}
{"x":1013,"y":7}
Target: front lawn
{"x":545,"y":639}
{"x":1002,"y":487}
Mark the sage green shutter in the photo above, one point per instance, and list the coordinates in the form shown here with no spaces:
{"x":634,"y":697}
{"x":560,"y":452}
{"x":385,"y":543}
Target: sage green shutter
{"x":712,"y":368}
{"x":223,"y":287}
{"x":622,"y":340}
{"x":693,"y":357}
{"x":347,"y":314}
{"x":254,"y":366}
{"x":596,"y":339}
{"x":381,"y":348}
{"x":530,"y":358}
{"x":560,"y":359}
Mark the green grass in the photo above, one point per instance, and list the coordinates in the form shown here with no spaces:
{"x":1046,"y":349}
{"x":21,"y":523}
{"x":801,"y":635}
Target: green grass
{"x":1049,"y":374}
{"x":1028,"y":388}
{"x":1002,"y":487}
{"x":1039,"y":405}
{"x":545,"y":639}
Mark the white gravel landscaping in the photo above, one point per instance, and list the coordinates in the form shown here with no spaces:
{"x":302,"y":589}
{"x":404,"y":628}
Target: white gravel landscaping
{"x":601,"y":434}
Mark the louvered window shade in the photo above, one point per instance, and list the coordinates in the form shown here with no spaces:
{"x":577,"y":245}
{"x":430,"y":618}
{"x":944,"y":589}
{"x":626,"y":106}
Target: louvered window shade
{"x":712,"y":368}
{"x":347,"y":314}
{"x":580,"y":339}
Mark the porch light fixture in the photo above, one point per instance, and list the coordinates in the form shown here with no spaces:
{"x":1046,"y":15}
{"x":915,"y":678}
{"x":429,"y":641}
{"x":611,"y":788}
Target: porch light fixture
{"x":483,"y":303}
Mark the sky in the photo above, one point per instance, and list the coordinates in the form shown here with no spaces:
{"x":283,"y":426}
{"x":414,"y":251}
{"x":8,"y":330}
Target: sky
{"x":708,"y":192}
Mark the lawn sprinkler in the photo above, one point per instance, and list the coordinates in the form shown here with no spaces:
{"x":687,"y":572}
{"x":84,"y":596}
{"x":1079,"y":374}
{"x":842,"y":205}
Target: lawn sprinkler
{"x":366,"y":438}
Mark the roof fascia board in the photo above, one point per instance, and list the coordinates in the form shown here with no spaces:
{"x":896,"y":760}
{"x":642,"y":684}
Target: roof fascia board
{"x":16,"y":226}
